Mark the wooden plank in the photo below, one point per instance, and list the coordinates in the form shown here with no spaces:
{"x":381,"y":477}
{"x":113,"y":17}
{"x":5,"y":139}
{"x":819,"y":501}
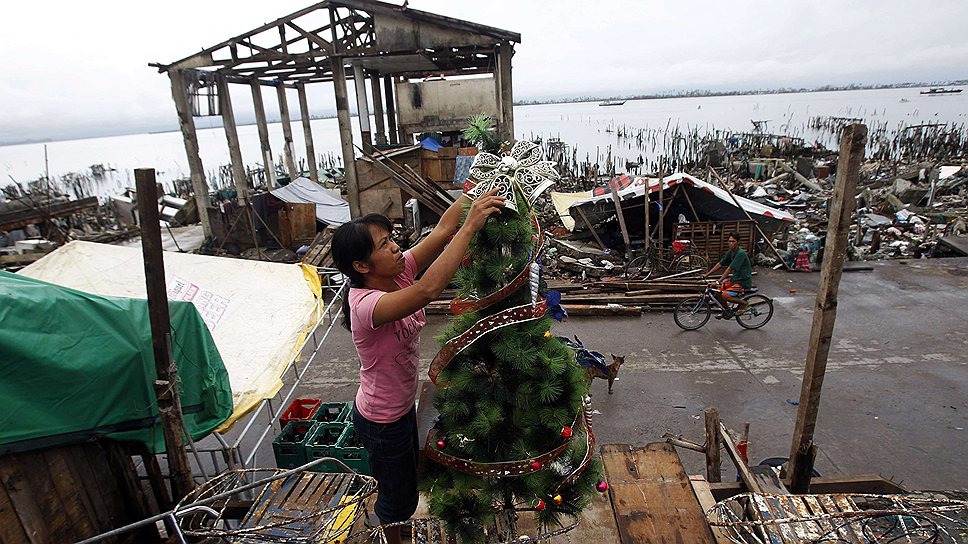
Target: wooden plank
{"x":23,"y":258}
{"x":87,"y":489}
{"x":700,"y":488}
{"x":65,"y":487}
{"x":11,"y":529}
{"x":651,"y":496}
{"x":744,"y":471}
{"x":825,"y":313}
{"x":21,"y":218}
{"x":621,"y":219}
{"x":26,"y":503}
{"x":768,"y":481}
{"x":862,"y":483}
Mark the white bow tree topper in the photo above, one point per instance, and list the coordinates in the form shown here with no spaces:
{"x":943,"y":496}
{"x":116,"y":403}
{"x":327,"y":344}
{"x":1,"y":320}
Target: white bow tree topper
{"x":522,"y":167}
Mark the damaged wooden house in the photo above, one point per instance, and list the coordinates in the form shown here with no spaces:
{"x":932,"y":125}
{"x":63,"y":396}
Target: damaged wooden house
{"x":413,"y":73}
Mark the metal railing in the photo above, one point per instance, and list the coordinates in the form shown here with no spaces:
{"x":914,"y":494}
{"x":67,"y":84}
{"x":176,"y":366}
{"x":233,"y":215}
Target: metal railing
{"x":232,"y":450}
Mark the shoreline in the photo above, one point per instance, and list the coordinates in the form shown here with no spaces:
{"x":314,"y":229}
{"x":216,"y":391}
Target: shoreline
{"x":713,"y":94}
{"x":569,"y":100}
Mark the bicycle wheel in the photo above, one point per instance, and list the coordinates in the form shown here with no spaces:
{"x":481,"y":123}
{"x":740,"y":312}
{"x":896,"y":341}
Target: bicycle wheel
{"x":687,"y":262}
{"x":692,"y":313}
{"x":758,"y":314}
{"x":640,"y":268}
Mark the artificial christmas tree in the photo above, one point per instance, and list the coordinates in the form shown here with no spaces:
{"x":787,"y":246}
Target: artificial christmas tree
{"x":514,"y":432}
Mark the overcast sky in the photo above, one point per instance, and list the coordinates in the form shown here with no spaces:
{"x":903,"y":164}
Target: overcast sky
{"x":72,"y":69}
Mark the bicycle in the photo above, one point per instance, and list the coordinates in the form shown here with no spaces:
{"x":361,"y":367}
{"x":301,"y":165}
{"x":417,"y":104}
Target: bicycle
{"x":685,"y":257}
{"x":693,"y":312}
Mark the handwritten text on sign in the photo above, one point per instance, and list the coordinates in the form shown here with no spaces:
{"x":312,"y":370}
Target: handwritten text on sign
{"x":211,"y":306}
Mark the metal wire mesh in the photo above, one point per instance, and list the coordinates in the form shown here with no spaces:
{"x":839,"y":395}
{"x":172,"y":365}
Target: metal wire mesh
{"x":293,"y":506}
{"x":853,"y":518}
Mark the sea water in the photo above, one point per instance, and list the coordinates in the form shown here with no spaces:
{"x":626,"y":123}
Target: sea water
{"x":588,"y":128}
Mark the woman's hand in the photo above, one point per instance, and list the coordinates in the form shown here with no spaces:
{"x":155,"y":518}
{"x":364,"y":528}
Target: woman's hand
{"x":485,"y":206}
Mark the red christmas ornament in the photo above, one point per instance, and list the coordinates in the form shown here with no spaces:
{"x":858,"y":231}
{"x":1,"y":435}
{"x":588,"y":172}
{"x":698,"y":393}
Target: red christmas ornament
{"x":539,"y":505}
{"x":536,"y":465}
{"x":557,"y":500}
{"x":467,"y":262}
{"x":566,"y":432}
{"x":441,"y":444}
{"x":602,"y":486}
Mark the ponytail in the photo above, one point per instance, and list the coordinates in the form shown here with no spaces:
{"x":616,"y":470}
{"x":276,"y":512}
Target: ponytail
{"x":352,"y":242}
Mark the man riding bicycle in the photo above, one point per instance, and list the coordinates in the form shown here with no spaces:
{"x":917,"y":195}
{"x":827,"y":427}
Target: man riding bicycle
{"x":740,"y":272}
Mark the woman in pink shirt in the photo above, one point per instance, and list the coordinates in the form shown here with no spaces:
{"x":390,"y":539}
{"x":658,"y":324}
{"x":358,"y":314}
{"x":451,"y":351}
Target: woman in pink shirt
{"x":385,"y":312}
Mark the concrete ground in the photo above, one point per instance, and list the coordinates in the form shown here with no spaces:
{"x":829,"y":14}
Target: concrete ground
{"x":894,"y":400}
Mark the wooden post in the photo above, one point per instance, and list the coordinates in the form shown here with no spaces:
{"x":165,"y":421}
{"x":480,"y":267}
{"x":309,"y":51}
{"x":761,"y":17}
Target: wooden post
{"x":381,"y":135}
{"x":345,"y":134}
{"x":505,"y":95}
{"x":308,"y":133}
{"x":591,"y":228}
{"x":659,"y":227}
{"x":286,"y":131}
{"x":725,"y":187}
{"x":825,"y":310}
{"x":621,"y":219}
{"x":391,"y":110}
{"x":166,"y":386}
{"x":179,"y":92}
{"x":232,"y":135}
{"x":713,"y":462}
{"x":260,"y":121}
{"x":362,"y":108}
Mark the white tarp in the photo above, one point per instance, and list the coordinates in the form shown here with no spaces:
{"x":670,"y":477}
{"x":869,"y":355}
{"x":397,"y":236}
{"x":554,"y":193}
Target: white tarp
{"x":632,"y":187}
{"x":258,"y":312}
{"x":330,"y":209}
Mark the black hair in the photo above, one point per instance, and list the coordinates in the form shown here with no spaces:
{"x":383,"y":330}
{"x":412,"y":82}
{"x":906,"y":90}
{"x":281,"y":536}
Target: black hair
{"x":352,"y":242}
{"x":732,"y":234}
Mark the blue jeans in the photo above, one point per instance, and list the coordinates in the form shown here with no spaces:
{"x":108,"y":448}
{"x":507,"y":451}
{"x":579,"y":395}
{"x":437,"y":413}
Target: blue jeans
{"x":394,"y":450}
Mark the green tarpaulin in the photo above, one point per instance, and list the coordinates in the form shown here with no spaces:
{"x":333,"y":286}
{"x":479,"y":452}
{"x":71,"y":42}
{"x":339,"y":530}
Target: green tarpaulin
{"x":74,"y":366}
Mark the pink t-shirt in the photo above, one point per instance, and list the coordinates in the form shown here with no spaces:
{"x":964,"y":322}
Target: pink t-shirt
{"x":389,"y":354}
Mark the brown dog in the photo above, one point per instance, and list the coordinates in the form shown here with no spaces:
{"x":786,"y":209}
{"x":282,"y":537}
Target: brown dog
{"x":612,"y":371}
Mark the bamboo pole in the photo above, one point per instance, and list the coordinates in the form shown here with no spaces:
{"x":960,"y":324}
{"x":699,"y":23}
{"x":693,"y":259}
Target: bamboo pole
{"x":825,"y":311}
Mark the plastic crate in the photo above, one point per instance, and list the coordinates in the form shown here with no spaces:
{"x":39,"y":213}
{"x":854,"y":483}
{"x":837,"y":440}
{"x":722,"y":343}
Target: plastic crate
{"x":289,"y":447}
{"x":333,"y":412}
{"x":323,"y":443}
{"x":300,"y":409}
{"x":348,"y":450}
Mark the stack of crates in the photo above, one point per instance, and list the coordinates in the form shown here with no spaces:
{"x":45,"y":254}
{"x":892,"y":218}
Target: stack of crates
{"x":312,"y":429}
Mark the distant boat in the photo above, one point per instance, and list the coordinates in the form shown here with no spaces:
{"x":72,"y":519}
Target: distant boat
{"x":611,"y":102}
{"x":941,"y":90}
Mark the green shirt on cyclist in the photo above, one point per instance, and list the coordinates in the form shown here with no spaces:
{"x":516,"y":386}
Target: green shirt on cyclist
{"x":738,"y":261}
